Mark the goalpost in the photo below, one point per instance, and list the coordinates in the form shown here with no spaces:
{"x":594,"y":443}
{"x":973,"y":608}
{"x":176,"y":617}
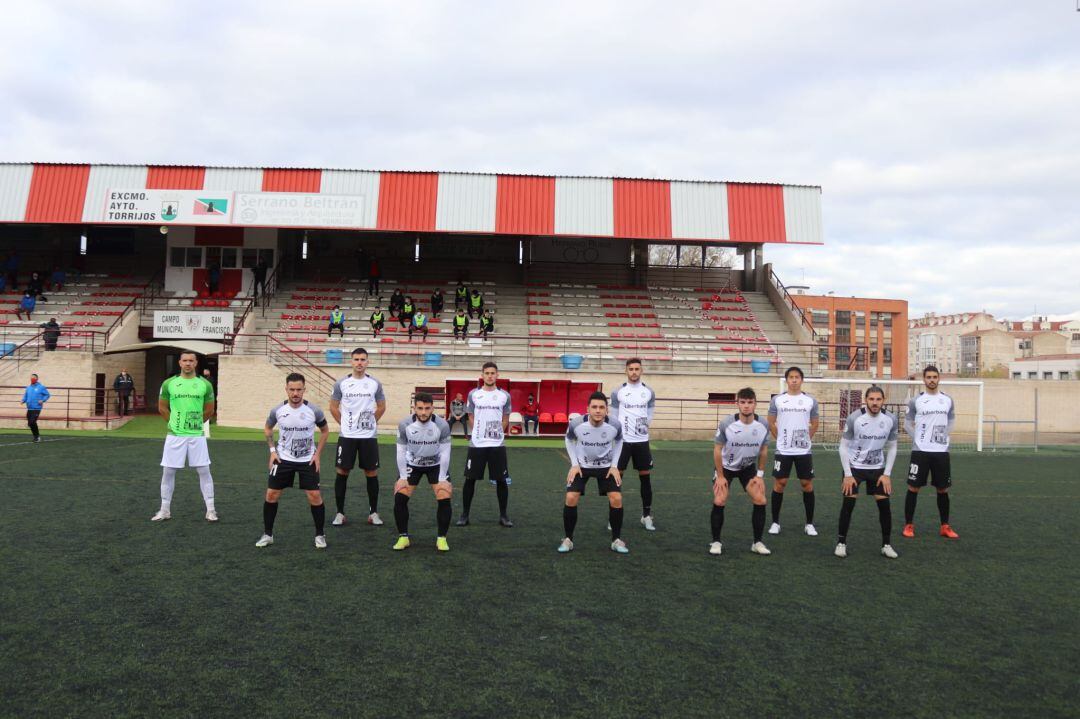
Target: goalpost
{"x":837,"y":398}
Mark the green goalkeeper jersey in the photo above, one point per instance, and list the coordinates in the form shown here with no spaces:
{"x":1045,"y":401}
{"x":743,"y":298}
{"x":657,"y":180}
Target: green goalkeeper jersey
{"x":186,"y":398}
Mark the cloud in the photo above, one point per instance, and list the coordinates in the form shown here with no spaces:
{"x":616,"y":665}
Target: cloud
{"x":943,"y":134}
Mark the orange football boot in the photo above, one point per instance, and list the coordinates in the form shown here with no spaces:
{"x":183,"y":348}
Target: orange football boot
{"x":947,"y":531}
{"x":909,"y":530}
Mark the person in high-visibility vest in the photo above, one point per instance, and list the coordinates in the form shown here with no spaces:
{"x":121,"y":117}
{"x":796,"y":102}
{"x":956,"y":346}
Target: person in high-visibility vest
{"x":461,"y":296}
{"x":337,"y":321}
{"x":419,"y":324}
{"x":461,"y":324}
{"x":487,"y":324}
{"x":476,"y":304}
{"x":407,"y":311}
{"x":377,"y":322}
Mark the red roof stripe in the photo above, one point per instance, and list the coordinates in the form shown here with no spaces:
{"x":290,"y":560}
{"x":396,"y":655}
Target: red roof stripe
{"x":407,"y":201}
{"x":642,"y":208}
{"x":57,"y":193}
{"x":175,"y":178}
{"x":756,"y":213}
{"x":291,"y":180}
{"x":525,"y":205}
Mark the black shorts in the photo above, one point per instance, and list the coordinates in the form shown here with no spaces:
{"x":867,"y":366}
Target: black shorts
{"x":349,"y":448}
{"x":32,"y":415}
{"x":804,"y":466}
{"x":414,"y":474}
{"x":494,"y":458}
{"x":604,"y":483}
{"x":283,"y":475}
{"x":637,"y":451}
{"x":871,"y":477}
{"x":933,"y":465}
{"x":744,"y":475}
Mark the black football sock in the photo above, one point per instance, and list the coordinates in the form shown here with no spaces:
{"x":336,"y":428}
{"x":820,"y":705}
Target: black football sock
{"x":646,"y":494}
{"x":757,"y":518}
{"x":615,"y":517}
{"x":808,"y":505}
{"x":503,"y":493}
{"x":845,"y":519}
{"x":717,"y":522}
{"x":467,"y":496}
{"x":318,"y":513}
{"x":269,"y":513}
{"x":943,"y":506}
{"x":373,"y":494}
{"x":884,"y":510}
{"x":442,"y":516}
{"x":341,"y":483}
{"x":401,"y":512}
{"x":909,"y":506}
{"x":777,"y":500}
{"x":569,"y":521}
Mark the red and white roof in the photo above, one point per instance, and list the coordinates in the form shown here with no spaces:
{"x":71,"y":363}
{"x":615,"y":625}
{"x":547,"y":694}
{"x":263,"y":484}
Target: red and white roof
{"x":449,"y":201}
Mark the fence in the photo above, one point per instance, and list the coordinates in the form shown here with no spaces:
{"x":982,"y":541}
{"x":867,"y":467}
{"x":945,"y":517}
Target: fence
{"x":522,"y":352}
{"x":69,"y":407}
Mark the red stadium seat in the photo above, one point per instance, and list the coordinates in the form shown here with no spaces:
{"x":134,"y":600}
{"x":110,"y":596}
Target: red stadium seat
{"x":545,"y":416}
{"x":559,"y":417}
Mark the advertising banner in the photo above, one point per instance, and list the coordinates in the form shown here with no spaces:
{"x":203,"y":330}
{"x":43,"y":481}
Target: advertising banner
{"x":192,"y":325}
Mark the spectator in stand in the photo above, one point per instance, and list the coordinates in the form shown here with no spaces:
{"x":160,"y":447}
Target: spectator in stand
{"x":259,"y":272}
{"x":457,"y":414}
{"x":57,"y":280}
{"x":337,"y":322}
{"x":36,"y":286}
{"x":363,"y":263}
{"x":476,"y":304}
{"x":377,"y":322}
{"x":461,"y":296}
{"x":531,"y":413}
{"x":461,"y":324}
{"x":419,"y":324}
{"x":26,"y":305}
{"x":408,"y":309}
{"x":436,"y":303}
{"x":213,"y":277}
{"x":374,"y":275}
{"x":124,"y":384}
{"x":50,"y":333}
{"x":487,"y":324}
{"x":12,"y":268}
{"x":35,"y":397}
{"x":396,"y":301}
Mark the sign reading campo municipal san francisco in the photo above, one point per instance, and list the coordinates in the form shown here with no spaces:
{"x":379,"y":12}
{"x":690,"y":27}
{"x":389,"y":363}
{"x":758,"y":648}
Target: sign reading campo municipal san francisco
{"x":212,"y":207}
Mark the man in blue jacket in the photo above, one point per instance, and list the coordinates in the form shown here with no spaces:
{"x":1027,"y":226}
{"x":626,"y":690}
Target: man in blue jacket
{"x":34,"y":398}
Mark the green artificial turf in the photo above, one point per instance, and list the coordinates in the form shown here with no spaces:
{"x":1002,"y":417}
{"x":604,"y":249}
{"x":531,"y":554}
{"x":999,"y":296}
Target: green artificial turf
{"x":103,"y":613}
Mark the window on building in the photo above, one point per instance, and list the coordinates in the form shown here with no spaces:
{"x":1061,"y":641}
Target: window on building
{"x":664,"y":255}
{"x":843,"y":357}
{"x":873,"y":356}
{"x":251,"y":257}
{"x":1063,"y":375}
{"x":718,"y":256}
{"x":176,"y":257}
{"x":228,"y":257}
{"x":690,"y":256}
{"x":886,"y":354}
{"x":873,"y":319}
{"x":1033,"y":375}
{"x":843,"y":317}
{"x":1016,"y":375}
{"x":1048,"y":375}
{"x":843,"y":334}
{"x":820,"y":318}
{"x":193,"y":257}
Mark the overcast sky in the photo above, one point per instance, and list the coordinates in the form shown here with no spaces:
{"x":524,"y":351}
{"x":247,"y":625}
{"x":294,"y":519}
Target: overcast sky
{"x":945,"y":135}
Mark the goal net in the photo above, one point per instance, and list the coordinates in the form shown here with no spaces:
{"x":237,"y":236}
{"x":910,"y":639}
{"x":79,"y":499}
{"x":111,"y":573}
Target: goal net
{"x":837,"y":398}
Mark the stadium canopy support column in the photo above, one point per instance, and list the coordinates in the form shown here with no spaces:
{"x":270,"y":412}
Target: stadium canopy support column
{"x":747,"y":267}
{"x":759,"y":268}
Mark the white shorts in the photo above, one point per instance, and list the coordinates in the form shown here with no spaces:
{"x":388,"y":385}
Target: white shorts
{"x":178,"y":449}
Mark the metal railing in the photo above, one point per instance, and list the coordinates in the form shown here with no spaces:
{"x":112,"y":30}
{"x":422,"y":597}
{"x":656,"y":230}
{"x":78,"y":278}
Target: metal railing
{"x":544,"y":352}
{"x":792,"y":305}
{"x":29,"y":350}
{"x":67,"y":404}
{"x":147,"y":294}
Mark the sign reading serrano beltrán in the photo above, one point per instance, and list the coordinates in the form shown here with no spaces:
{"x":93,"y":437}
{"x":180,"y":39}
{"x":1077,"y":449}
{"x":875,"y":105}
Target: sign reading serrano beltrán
{"x":289,"y":209}
{"x":192,"y":325}
{"x":161,"y":207}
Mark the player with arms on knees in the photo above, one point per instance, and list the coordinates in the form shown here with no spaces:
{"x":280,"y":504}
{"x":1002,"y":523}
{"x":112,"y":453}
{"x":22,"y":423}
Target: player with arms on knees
{"x":423,"y":450}
{"x":793,"y":421}
{"x":186,"y":401}
{"x":929,"y":422}
{"x":488,"y":418}
{"x":867,"y":454}
{"x":593,"y":444}
{"x":294,"y":455}
{"x":740,"y":453}
{"x":632,"y":407}
{"x":357,"y":403}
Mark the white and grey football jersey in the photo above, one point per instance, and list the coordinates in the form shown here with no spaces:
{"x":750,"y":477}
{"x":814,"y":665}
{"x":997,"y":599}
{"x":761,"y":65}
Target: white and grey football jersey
{"x":741,"y":442}
{"x":487,"y":409}
{"x":593,"y":447}
{"x":423,"y":444}
{"x":793,"y":414}
{"x":632,"y":407}
{"x":358,"y":398}
{"x":296,"y":430}
{"x":929,"y":419}
{"x":867,"y":435}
